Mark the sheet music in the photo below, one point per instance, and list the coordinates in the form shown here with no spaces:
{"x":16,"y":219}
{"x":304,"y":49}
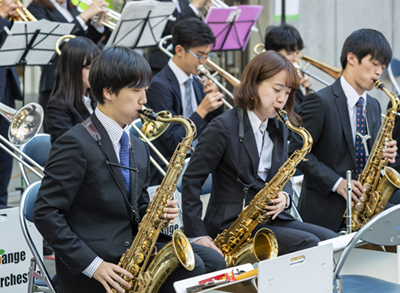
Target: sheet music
{"x":131,"y":26}
{"x":43,"y":47}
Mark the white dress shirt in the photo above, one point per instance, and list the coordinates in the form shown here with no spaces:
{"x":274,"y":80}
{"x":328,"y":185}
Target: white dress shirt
{"x":88,"y":104}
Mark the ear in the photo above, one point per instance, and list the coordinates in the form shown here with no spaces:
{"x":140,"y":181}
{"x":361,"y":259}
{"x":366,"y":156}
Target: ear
{"x":107,"y":94}
{"x":179,"y":50}
{"x":352,"y":59}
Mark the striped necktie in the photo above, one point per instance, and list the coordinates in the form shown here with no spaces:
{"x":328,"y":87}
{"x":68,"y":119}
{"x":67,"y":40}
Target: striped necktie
{"x":188,"y":97}
{"x":124,"y":159}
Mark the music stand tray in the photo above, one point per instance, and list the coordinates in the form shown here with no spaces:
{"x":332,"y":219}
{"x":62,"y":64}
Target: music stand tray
{"x":232,"y":26}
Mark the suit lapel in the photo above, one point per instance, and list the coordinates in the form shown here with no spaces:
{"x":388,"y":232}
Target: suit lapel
{"x":170,"y":75}
{"x":249,"y":143}
{"x":198,"y":90}
{"x":370,"y":120}
{"x":276,"y":136}
{"x":341,"y":104}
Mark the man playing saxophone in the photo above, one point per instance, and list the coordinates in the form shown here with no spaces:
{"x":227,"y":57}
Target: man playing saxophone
{"x":94,"y":192}
{"x":344,"y":122}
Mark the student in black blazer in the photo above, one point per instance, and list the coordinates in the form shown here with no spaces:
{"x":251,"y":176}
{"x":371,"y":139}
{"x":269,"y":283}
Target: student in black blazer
{"x":71,"y":101}
{"x":9,"y":91}
{"x":328,"y":115}
{"x":242,"y":168}
{"x":192,"y":39}
{"x":86,"y":209}
{"x":65,"y":11}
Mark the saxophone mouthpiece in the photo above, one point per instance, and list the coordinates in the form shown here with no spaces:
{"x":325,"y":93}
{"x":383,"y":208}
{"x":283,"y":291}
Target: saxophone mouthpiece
{"x":379,"y":85}
{"x":148,"y":113}
{"x":281,"y":115}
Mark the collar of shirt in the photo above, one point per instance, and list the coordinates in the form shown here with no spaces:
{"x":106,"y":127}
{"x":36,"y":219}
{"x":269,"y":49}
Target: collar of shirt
{"x":88,"y":103}
{"x":63,"y":9}
{"x":114,"y":131}
{"x":181,"y":76}
{"x":256,"y":123}
{"x":351,"y":94}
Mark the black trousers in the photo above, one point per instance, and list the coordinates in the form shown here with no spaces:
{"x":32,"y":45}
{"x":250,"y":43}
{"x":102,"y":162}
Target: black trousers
{"x":6,"y":163}
{"x":293,"y":235}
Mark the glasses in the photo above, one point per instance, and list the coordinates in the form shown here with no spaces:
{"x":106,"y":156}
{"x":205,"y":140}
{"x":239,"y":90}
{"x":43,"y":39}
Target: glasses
{"x":201,"y":58}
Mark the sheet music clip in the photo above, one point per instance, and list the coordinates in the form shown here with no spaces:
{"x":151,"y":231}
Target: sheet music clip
{"x":232,"y":26}
{"x":141,"y":24}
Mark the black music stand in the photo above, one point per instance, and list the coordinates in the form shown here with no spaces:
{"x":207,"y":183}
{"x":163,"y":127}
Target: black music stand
{"x":232,"y":26}
{"x":31,"y":44}
{"x":141,"y":23}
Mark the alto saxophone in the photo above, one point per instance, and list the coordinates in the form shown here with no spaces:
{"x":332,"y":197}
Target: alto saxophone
{"x":377,"y":189}
{"x":235,"y":242}
{"x":150,"y":278}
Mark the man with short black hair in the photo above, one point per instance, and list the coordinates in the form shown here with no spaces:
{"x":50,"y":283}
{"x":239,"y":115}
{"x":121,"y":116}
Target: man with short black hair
{"x":176,"y":89}
{"x":94,"y":192}
{"x":333,"y":116}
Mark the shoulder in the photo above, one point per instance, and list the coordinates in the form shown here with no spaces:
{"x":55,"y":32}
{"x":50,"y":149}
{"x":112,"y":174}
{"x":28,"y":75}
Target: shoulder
{"x":227,"y":120}
{"x":36,"y":6}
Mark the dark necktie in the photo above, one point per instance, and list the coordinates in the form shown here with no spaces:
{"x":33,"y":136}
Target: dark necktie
{"x":360,"y":150}
{"x":124,"y":159}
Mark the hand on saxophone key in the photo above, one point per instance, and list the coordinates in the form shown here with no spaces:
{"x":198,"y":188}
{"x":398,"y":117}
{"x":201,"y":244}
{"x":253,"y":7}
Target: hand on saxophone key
{"x":390,"y":151}
{"x":171,"y":211}
{"x":107,"y":275}
{"x":277,"y":206}
{"x":356,"y":187}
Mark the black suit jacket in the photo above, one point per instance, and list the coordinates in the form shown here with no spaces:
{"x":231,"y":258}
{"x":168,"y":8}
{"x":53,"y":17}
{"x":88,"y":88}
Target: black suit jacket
{"x":41,"y":12}
{"x":325,"y":116}
{"x":81,"y":211}
{"x":158,"y":59}
{"x":164,"y":94}
{"x":220,"y":152}
{"x":59,"y":118}
{"x":10,"y":89}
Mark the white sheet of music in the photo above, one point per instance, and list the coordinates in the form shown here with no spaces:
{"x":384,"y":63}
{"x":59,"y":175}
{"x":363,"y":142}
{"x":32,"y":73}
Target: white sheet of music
{"x":42,"y":49}
{"x":131,"y":25}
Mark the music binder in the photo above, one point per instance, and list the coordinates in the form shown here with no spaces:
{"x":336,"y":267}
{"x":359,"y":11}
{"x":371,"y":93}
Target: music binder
{"x":232,"y":26}
{"x":141,"y":23}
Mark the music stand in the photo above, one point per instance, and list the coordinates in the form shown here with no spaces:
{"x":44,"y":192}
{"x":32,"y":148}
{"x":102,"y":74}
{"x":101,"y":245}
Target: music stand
{"x":31,"y":43}
{"x":232,"y":26}
{"x":141,"y":23}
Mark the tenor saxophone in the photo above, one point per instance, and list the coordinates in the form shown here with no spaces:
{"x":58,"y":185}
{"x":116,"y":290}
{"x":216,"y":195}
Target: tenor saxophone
{"x":378,"y":189}
{"x":235,"y":242}
{"x":149,"y":278}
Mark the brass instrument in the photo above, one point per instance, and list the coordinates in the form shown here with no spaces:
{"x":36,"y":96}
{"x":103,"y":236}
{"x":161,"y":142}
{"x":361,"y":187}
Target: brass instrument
{"x":333,"y":71}
{"x":377,"y":189}
{"x":202,"y":70}
{"x":135,"y":259}
{"x":23,"y":13}
{"x":235,"y":242}
{"x":25,"y":123}
{"x":109,"y":21}
{"x":57,"y":45}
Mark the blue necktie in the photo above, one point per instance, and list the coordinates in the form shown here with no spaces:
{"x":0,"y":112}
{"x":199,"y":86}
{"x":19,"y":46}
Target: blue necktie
{"x":124,"y":159}
{"x":360,"y":151}
{"x":188,"y":97}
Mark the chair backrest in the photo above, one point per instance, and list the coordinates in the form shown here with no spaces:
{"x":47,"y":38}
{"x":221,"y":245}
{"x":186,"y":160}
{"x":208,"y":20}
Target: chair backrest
{"x":38,"y":149}
{"x":28,"y":201}
{"x":394,"y":71}
{"x":138,"y":123}
{"x":384,"y":229}
{"x":206,"y":188}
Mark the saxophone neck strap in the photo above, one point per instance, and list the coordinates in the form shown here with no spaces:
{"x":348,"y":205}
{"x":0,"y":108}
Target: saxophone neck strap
{"x":88,"y":124}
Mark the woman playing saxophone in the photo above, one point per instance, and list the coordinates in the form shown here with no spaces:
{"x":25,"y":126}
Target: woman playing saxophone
{"x":241,"y":165}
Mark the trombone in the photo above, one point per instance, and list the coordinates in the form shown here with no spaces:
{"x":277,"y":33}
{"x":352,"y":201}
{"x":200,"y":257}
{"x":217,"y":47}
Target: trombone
{"x":333,"y":71}
{"x":25,"y":123}
{"x":202,"y":70}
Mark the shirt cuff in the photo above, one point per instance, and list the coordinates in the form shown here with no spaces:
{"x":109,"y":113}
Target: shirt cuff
{"x":337,"y":184}
{"x":82,"y":23}
{"x":89,"y":271}
{"x":195,"y":10}
{"x":287,"y":199}
{"x":194,"y":239}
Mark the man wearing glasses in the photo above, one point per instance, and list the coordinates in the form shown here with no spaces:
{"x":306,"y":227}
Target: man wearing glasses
{"x":176,"y":89}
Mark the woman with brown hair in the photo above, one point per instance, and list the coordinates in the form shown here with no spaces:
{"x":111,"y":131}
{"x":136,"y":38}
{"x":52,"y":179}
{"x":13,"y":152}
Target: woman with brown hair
{"x":65,"y":11}
{"x":242,"y":163}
